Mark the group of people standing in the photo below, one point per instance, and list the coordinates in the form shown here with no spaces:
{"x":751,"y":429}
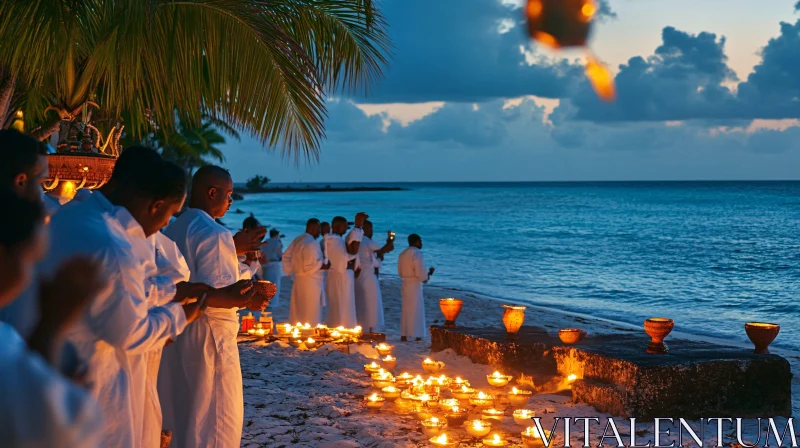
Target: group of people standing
{"x":118,"y":320}
{"x":111,"y":329}
{"x":341,"y":272}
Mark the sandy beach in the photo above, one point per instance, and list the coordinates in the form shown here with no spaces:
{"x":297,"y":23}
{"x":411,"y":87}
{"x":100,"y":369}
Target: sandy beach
{"x":299,"y":398}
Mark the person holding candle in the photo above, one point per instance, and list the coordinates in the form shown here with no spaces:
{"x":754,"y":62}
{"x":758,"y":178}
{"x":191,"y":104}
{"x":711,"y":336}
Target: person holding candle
{"x":38,"y":406}
{"x":369,"y":303}
{"x":120,"y":325}
{"x":200,"y":380}
{"x":303,"y":259}
{"x":253,"y":260}
{"x":413,"y":273}
{"x":340,"y":287}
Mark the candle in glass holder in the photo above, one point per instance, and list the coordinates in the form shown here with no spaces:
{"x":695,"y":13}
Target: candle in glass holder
{"x":519,"y":397}
{"x":442,"y":440}
{"x":456,"y":416}
{"x":497,"y":379}
{"x":384,"y":349}
{"x":531,"y":437}
{"x":433,"y":426}
{"x":492,"y":414}
{"x":391,"y":393}
{"x":481,"y":400}
{"x":374,"y":401}
{"x":523,"y":416}
{"x":494,"y":440}
{"x":389,"y":362}
{"x":431,"y":366}
{"x":372,"y":367}
{"x":464,"y":393}
{"x":477,"y":428}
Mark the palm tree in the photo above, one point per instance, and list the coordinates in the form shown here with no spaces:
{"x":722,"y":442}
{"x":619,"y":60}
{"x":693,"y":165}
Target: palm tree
{"x":193,"y":146}
{"x":264,"y":66}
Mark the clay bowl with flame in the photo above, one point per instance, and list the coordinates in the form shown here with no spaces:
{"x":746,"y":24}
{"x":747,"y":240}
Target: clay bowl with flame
{"x":761,"y":334}
{"x":571,"y":336}
{"x":265,"y":288}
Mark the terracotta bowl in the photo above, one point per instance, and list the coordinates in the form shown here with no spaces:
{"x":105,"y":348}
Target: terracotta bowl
{"x":761,"y":334}
{"x":450,"y":308}
{"x":571,"y":336}
{"x":265,"y":288}
{"x":658,"y":328}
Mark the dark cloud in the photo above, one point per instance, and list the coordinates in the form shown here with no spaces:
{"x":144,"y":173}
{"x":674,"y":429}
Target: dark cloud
{"x":451,"y":50}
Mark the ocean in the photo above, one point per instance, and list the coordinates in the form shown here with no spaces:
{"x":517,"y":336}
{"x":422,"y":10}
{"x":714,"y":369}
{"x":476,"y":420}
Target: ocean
{"x":710,"y":255}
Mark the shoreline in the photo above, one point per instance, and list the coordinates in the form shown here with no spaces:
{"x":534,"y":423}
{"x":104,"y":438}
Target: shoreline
{"x":300,"y":398}
{"x":313,"y":189}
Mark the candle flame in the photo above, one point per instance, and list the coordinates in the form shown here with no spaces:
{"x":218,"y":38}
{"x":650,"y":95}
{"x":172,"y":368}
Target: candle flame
{"x":496,"y":438}
{"x":572,"y":377}
{"x":601,"y":79}
{"x":373,"y":365}
{"x":464,"y":389}
{"x":588,"y":10}
{"x":441,"y":439}
{"x":514,"y":390}
{"x":532,"y":431}
{"x":340,"y":328}
{"x":459,"y":380}
{"x":311,"y":340}
{"x":388,"y":358}
{"x":299,"y":325}
{"x":477,"y":424}
{"x":307,"y":326}
{"x":391,"y":389}
{"x":481,"y":395}
{"x":434,"y":420}
{"x":427,"y":361}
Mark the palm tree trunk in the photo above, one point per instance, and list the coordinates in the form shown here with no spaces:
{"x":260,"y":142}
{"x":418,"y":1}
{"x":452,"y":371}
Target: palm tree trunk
{"x":6,"y":95}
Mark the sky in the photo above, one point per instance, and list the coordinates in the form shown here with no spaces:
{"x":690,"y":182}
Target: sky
{"x":706,"y":90}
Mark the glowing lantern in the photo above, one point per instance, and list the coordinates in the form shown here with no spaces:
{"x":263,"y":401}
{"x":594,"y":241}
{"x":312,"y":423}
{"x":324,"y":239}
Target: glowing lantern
{"x":450,"y":308}
{"x":513,"y":317}
{"x":567,"y":23}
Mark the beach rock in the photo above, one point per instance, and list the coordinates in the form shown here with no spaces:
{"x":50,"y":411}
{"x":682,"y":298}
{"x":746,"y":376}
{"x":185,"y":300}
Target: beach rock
{"x":615,"y":375}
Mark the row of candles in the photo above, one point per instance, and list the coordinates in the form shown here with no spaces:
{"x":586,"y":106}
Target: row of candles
{"x":303,"y":334}
{"x":422,"y":397}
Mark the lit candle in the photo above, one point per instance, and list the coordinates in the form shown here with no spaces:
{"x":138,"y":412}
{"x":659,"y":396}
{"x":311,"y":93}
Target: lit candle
{"x":433,"y":426}
{"x":430,"y":366}
{"x":311,"y":343}
{"x":495,"y":440}
{"x":260,"y":332}
{"x":372,"y":367}
{"x":391,"y":393}
{"x":492,"y":414}
{"x":477,"y":428}
{"x":442,"y":440}
{"x":456,"y":416}
{"x":384,"y":349}
{"x":519,"y":397}
{"x":497,"y":379}
{"x":464,"y":393}
{"x":481,"y":400}
{"x":374,"y":401}
{"x":448,"y":403}
{"x":389,"y":362}
{"x":531,"y":437}
{"x":336,"y":335}
{"x":523,"y":417}
{"x":251,"y":331}
{"x":404,"y":378}
{"x":572,"y":377}
{"x":382,"y":379}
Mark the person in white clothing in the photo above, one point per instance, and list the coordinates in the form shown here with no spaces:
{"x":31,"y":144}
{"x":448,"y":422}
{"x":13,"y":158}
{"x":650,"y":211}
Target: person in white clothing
{"x":200,"y":379}
{"x":369,"y":302}
{"x":253,"y":260}
{"x":120,"y":326}
{"x":325,"y":229}
{"x":23,"y":170}
{"x":340,"y":285}
{"x":413,"y":273}
{"x":38,"y":406}
{"x":271,"y":269}
{"x":303,"y":260}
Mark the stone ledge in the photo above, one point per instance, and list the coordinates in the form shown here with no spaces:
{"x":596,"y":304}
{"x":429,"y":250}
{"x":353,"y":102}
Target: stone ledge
{"x":616,"y":375}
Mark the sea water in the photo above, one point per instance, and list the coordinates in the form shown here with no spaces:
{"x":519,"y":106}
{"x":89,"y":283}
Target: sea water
{"x":711,"y":255}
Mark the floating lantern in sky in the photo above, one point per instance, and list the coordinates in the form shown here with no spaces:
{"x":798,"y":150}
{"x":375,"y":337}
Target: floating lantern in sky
{"x":567,"y":23}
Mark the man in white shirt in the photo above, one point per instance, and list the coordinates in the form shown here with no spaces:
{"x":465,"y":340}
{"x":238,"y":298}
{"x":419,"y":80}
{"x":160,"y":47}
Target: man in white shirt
{"x":273,"y":251}
{"x":200,"y":380}
{"x":120,"y":326}
{"x":412,"y":271}
{"x":325,"y":229}
{"x":303,"y":260}
{"x":340,"y":286}
{"x":39,"y":407}
{"x":369,"y":302}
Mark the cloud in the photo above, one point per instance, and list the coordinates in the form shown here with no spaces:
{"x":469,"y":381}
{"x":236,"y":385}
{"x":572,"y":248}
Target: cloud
{"x":449,"y":50}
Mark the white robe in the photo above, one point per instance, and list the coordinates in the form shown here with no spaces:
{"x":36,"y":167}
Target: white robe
{"x":413,"y":272}
{"x":39,"y":407}
{"x":200,"y":380}
{"x":369,"y":302}
{"x":171,"y":270}
{"x":272,"y":269}
{"x":340,"y":285}
{"x":119,"y":326}
{"x":305,"y":260}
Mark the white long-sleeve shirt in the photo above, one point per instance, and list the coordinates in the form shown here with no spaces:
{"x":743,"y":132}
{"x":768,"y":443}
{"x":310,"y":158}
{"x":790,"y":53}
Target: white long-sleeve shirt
{"x":411,"y":265}
{"x":119,"y":324}
{"x":274,"y":250}
{"x":367,"y":256}
{"x":337,"y":253}
{"x":39,"y":407}
{"x":306,"y":257}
